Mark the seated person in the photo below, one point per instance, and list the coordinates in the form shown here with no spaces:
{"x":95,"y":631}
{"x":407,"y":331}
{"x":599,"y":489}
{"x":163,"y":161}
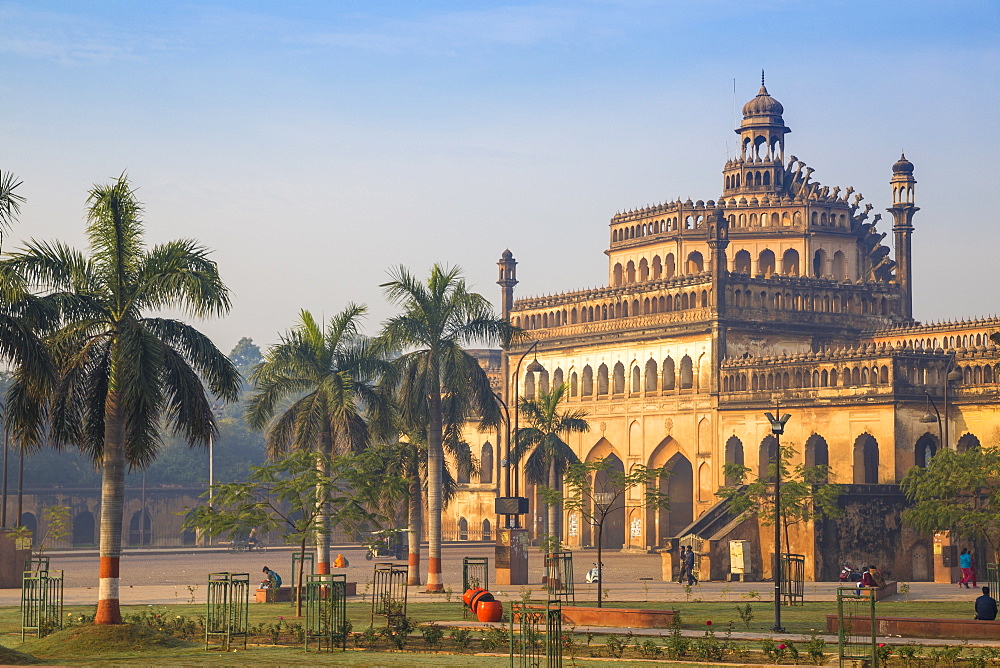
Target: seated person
{"x":271,"y":579}
{"x":867,"y":580}
{"x":986,"y":606}
{"x":877,"y":576}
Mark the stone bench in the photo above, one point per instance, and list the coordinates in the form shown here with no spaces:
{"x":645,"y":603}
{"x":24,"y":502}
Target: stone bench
{"x":915,"y":627}
{"x":634,"y":618}
{"x":286,"y":593}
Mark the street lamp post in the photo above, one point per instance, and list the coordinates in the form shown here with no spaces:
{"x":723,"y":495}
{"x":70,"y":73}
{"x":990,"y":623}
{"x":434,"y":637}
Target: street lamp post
{"x":777,"y":429}
{"x":505,"y":456}
{"x":951,"y":375}
{"x":533,"y":367}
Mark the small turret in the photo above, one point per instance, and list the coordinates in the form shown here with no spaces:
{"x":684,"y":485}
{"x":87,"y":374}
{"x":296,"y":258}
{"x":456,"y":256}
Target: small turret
{"x":902,"y":210}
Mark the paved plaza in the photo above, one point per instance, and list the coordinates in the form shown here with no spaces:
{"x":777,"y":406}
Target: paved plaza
{"x":162,"y":576}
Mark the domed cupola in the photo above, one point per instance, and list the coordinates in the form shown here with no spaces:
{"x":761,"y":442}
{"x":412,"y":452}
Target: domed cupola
{"x":902,"y":166}
{"x":763,"y":105}
{"x":759,"y":166}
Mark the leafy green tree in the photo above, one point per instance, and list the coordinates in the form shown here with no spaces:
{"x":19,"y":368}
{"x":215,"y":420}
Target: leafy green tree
{"x":122,"y":371}
{"x":547,"y":453}
{"x":958,"y":492}
{"x":438,"y":320}
{"x":245,"y":356}
{"x":329,"y":374}
{"x":296,"y":496}
{"x":594,"y":490}
{"x":805,"y":493}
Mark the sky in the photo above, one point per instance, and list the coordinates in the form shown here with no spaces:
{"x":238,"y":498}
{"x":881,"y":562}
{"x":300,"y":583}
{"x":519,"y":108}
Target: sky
{"x":316,"y":145}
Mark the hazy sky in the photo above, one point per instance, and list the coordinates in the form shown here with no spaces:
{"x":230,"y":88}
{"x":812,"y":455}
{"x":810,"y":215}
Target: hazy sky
{"x":315,"y":144}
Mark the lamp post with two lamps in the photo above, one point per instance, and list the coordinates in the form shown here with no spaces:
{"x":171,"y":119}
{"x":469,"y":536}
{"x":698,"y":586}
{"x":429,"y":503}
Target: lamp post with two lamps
{"x":777,"y":421}
{"x":951,"y":375}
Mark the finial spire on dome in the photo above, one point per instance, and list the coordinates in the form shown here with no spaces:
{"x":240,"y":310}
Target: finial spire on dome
{"x":762,"y":76}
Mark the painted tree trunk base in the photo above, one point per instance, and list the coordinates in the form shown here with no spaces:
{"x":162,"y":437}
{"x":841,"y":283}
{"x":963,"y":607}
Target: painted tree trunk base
{"x":323,"y":568}
{"x":108,"y":609}
{"x":434,"y":575}
{"x":413,"y":569}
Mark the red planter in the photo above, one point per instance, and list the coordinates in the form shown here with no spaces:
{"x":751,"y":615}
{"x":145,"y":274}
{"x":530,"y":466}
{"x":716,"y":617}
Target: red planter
{"x":481,"y":596}
{"x":467,"y":596}
{"x":490,"y":611}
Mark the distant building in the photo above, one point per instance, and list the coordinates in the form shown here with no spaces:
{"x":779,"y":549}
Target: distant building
{"x":780,"y":289}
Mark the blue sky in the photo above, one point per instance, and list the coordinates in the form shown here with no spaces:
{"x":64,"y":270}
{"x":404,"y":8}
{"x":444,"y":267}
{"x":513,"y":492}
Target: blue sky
{"x":315,"y":145}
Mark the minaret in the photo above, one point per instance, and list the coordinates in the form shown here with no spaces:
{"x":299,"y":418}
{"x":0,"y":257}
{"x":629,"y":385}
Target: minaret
{"x":902,"y":211}
{"x":507,"y":281}
{"x":718,"y":241}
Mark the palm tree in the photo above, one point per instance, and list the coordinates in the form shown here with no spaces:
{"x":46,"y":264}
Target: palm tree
{"x":330,"y":375}
{"x":437,"y":321}
{"x":10,"y":202}
{"x":121,"y":372}
{"x":549,"y":453}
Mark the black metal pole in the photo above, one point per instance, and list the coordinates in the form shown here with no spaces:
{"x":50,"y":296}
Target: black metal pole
{"x":20,"y":485}
{"x":3,"y":512}
{"x":777,"y":428}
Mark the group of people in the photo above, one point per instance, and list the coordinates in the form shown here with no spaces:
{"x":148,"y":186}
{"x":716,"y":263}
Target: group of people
{"x":687,"y":566}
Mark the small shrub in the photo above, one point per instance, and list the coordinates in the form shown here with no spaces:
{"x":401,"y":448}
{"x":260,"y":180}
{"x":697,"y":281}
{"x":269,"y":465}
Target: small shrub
{"x":770,"y":650}
{"x":883,"y":652}
{"x":367,"y":638}
{"x":462,"y":638}
{"x":615,"y":646}
{"x":909,"y":655}
{"x":746,"y":614}
{"x":432,"y":634}
{"x":816,"y":648}
{"x":496,"y":638}
{"x":648,"y":648}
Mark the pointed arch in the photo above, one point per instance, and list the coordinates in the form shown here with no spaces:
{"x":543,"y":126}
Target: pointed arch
{"x":687,"y":374}
{"x":734,"y":456}
{"x":602,"y":380}
{"x":619,"y":378}
{"x":765,"y":457}
{"x":924,"y":450}
{"x":817,"y":452}
{"x":651,"y":375}
{"x":486,"y":463}
{"x":866,"y":460}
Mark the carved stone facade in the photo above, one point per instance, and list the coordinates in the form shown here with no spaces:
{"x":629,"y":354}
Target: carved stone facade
{"x":781,"y":289}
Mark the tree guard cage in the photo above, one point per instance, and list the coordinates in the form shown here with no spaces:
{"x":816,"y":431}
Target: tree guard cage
{"x":308,"y":561}
{"x":793,"y":576}
{"x":993,"y":579}
{"x":228,"y":604}
{"x":389,"y":592}
{"x":41,"y":602}
{"x":536,"y":636}
{"x":559,"y":576}
{"x":325,"y":598}
{"x":36,"y":562}
{"x":856,"y":605}
{"x":475,"y":573}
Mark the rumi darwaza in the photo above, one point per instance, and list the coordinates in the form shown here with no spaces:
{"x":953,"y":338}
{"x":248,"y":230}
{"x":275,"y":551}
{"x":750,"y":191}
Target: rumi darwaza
{"x":781,"y":289}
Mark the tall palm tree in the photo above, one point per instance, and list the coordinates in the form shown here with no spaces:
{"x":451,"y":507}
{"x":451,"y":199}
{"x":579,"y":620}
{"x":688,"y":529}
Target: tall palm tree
{"x":121,"y":371}
{"x":330,"y":374}
{"x":547,"y":453}
{"x":438,"y":320}
{"x":10,"y":202}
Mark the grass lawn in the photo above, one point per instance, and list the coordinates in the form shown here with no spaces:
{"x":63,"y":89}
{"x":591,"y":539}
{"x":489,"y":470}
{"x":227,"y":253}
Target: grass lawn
{"x":805,"y":619}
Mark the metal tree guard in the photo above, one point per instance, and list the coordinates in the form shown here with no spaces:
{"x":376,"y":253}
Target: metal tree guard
{"x":228,"y":608}
{"x":389,"y":592}
{"x":793,"y":575}
{"x":41,"y":602}
{"x":308,"y":561}
{"x":854,"y":642}
{"x":475,"y":573}
{"x":326,"y":611}
{"x":559,"y":576}
{"x":36,"y":562}
{"x":530,"y":628}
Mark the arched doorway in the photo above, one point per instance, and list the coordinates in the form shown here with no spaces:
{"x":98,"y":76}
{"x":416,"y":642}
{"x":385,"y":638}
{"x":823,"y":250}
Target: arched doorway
{"x":765,"y":457}
{"x":140,"y":535}
{"x":967,"y":442}
{"x":924,"y":449}
{"x":920,"y":563}
{"x":486,"y":464}
{"x":83,"y":528}
{"x":487,"y":530}
{"x":734,"y":456}
{"x":818,"y":453}
{"x":866,"y":460}
{"x":678,"y":484}
{"x":613,"y":536}
{"x":463,"y":529}
{"x":30,"y":522}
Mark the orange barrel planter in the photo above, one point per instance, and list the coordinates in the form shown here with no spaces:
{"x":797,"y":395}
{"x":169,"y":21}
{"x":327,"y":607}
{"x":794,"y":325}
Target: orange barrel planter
{"x":490,"y":611}
{"x":481,"y":596}
{"x":469,"y":593}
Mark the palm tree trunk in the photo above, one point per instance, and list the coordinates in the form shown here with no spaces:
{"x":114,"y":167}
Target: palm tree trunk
{"x":553,"y":511}
{"x":415,"y":515}
{"x":112,"y":510}
{"x":435,"y":466}
{"x":323,"y":519}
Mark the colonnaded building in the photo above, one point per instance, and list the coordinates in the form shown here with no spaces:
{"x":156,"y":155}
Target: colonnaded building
{"x":779,"y":289}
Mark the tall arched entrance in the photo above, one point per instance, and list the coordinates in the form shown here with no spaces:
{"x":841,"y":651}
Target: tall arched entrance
{"x":613,"y":535}
{"x":734,"y":455}
{"x":866,"y":460}
{"x":678,"y":484}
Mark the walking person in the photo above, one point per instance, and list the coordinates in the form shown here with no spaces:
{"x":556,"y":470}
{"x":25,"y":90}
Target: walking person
{"x":689,"y":566}
{"x":682,"y":560}
{"x":965,"y":563}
